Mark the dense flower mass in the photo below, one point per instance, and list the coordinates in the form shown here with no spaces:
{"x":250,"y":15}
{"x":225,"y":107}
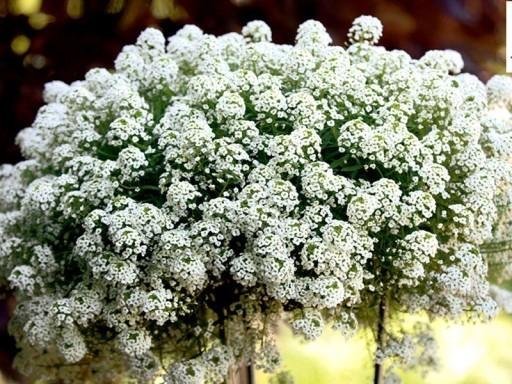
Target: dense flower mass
{"x":172,"y":210}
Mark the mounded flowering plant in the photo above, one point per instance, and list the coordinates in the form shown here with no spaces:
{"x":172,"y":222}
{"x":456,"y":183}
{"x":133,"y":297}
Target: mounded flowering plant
{"x":172,"y":210}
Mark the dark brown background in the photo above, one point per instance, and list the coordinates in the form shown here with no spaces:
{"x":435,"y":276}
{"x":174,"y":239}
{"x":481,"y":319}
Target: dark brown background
{"x":68,"y":37}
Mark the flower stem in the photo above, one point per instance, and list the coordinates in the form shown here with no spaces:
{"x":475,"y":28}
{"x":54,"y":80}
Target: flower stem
{"x":379,"y":339}
{"x":241,"y":374}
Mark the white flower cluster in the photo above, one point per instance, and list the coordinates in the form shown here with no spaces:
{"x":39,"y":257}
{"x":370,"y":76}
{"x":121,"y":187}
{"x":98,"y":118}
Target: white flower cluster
{"x":171,"y":210}
{"x":408,"y":348}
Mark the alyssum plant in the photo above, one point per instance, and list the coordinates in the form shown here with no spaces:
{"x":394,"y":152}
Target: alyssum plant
{"x":172,"y":210}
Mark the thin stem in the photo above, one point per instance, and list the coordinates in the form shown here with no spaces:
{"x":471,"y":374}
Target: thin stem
{"x":237,"y":374}
{"x":241,"y":374}
{"x":250,"y":374}
{"x":379,"y":339}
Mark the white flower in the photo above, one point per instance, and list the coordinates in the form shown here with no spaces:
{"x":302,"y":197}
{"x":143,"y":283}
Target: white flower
{"x":230,"y":106}
{"x":23,"y":278}
{"x":125,"y":130}
{"x":180,"y":198}
{"x":190,"y":372}
{"x":131,"y":162}
{"x":448,"y":60}
{"x":498,"y":91}
{"x":134,"y":342}
{"x":308,"y":323}
{"x":313,"y":35}
{"x":71,"y":345}
{"x":257,"y":31}
{"x":367,"y":29}
{"x":172,"y":210}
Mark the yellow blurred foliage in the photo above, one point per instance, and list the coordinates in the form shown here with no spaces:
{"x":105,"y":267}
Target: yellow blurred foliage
{"x":20,"y":44}
{"x":24,"y":7}
{"x":469,"y":354}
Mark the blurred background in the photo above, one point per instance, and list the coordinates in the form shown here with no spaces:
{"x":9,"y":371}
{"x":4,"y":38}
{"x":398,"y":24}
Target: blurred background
{"x":43,"y":40}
